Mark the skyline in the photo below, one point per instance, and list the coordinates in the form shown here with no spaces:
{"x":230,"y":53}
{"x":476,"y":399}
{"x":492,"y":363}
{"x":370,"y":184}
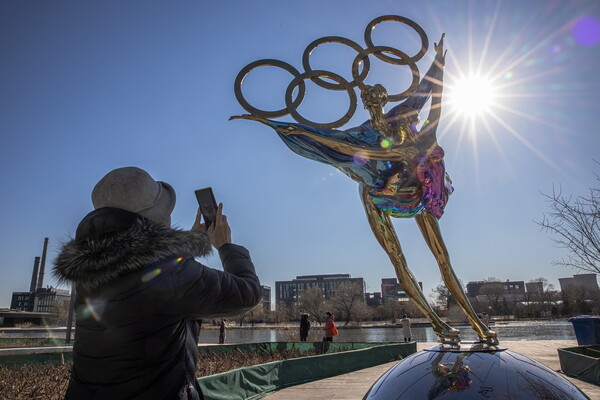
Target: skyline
{"x":87,"y":88}
{"x":555,"y":285}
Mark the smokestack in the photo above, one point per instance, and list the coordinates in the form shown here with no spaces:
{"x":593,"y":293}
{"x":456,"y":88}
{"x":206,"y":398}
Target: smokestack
{"x":43,"y":265}
{"x":34,"y":276}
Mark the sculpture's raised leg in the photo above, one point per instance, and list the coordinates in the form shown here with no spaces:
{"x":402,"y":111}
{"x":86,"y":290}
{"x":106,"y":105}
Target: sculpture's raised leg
{"x":386,"y":235}
{"x":430,"y":228}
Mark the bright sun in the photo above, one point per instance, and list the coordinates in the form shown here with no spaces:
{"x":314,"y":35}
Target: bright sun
{"x":471,"y":96}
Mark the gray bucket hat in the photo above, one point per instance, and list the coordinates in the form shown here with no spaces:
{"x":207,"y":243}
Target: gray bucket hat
{"x":133,"y":189}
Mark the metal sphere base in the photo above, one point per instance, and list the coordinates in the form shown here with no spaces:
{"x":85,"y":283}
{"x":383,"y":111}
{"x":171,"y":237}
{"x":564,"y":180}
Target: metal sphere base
{"x":472,"y":370}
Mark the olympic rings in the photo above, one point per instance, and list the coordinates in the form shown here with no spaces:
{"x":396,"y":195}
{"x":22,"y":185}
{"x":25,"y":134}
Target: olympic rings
{"x":400,"y":58}
{"x":377,"y":50}
{"x":333,"y":39}
{"x":299,"y":80}
{"x":237,"y":87}
{"x":412,"y":24}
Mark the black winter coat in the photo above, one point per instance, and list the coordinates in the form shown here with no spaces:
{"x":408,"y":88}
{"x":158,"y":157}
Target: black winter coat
{"x":139,"y":292}
{"x":304,"y":326}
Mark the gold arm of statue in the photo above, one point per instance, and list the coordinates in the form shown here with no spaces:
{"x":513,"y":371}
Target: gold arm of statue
{"x":405,"y":154}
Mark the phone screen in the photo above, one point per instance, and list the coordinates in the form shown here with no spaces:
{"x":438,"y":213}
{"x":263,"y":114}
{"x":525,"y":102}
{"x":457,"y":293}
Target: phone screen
{"x":207,"y":204}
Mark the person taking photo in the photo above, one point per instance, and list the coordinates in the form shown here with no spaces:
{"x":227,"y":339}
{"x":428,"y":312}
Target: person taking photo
{"x":139,"y":291}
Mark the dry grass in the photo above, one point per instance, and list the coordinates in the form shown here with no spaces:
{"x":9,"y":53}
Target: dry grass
{"x":34,"y":382}
{"x":49,"y":381}
{"x":30,"y":343}
{"x":211,"y":364}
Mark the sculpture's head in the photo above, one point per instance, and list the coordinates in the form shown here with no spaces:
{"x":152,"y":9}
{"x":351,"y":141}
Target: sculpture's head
{"x":374,"y":96}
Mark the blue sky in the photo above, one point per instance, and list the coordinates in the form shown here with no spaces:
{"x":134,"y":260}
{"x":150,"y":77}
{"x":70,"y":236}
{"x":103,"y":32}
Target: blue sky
{"x":90,"y":86}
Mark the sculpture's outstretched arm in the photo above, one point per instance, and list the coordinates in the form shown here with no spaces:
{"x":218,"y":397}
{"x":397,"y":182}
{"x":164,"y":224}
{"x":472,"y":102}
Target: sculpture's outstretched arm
{"x":427,"y":86}
{"x":403,"y":154}
{"x":431,"y":83}
{"x":428,"y":131}
{"x":251,"y":117}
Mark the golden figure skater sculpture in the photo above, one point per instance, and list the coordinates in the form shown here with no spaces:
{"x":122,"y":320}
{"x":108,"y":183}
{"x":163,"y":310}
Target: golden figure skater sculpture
{"x":399,"y":168}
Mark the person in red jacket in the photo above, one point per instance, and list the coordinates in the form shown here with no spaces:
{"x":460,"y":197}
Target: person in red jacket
{"x":329,"y":328}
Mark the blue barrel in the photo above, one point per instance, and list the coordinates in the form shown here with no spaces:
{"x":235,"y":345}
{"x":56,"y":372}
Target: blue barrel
{"x":587,"y":329}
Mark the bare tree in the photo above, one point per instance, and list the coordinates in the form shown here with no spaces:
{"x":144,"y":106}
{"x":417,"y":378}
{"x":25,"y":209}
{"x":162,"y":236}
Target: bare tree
{"x":391,"y":309}
{"x":494,"y":292}
{"x":411,"y":309}
{"x":574,"y":300}
{"x":541,"y":298}
{"x":313,"y":302}
{"x":348,"y":300}
{"x":574,"y":224}
{"x":442,"y":297}
{"x":282,"y":313}
{"x":255,"y":314}
{"x":60,"y":309}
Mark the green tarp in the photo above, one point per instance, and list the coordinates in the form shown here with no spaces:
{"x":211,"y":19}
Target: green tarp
{"x":271,"y":347}
{"x":582,"y":362}
{"x":256,"y":381}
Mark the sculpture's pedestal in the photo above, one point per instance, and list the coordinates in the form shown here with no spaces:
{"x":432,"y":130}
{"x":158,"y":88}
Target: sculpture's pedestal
{"x":472,"y":371}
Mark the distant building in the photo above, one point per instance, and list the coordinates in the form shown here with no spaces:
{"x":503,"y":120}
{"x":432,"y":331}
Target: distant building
{"x":587,"y":281}
{"x":46,"y":298}
{"x":374,"y":299}
{"x":391,"y":290}
{"x":535,"y":288}
{"x":509,"y":288}
{"x":22,"y":301}
{"x":42,"y":300}
{"x":266,"y":293}
{"x":39,"y":299}
{"x":286,"y":292}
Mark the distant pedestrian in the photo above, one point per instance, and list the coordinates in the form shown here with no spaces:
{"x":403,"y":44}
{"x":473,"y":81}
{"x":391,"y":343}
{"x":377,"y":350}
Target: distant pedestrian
{"x":485,"y":318}
{"x":304,"y":327}
{"x":222,"y":330}
{"x":406,"y":328}
{"x":330,"y":328}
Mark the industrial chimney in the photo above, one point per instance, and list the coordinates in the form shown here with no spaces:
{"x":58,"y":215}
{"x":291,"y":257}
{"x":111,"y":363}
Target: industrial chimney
{"x":34,"y":276}
{"x":43,"y":265}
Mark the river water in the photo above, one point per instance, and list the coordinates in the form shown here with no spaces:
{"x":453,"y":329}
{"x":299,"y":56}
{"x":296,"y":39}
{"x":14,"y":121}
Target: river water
{"x":526,"y":330}
{"x":522,"y":330}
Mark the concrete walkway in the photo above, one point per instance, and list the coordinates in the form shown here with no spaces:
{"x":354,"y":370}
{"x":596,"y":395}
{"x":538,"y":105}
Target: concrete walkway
{"x":354,"y":386}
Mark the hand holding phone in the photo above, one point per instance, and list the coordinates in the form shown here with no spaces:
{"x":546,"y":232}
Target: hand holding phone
{"x":214,"y":220}
{"x":207,"y":204}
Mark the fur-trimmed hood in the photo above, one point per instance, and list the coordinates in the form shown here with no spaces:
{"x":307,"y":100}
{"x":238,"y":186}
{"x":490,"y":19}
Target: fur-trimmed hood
{"x":110,"y":242}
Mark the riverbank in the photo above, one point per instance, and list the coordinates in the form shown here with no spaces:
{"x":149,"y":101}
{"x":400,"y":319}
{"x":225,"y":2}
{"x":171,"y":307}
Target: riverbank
{"x":372,"y":332}
{"x":417,"y":322}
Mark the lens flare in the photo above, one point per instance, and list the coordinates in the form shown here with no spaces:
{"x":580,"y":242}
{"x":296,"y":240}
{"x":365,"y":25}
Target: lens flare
{"x":93,"y":308}
{"x":153,"y":274}
{"x":359,"y":158}
{"x":586,"y":31}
